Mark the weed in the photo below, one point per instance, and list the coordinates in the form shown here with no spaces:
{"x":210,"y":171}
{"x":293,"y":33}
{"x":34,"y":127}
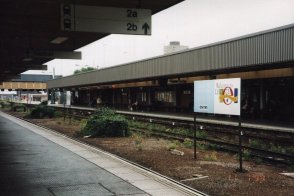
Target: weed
{"x":258,"y":160}
{"x":291,"y":168}
{"x":246,"y":155}
{"x":290,"y":150}
{"x":201,"y":145}
{"x":171,"y":146}
{"x":58,"y":114}
{"x":138,"y":139}
{"x":278,"y":149}
{"x":257,"y":144}
{"x":213,"y":146}
{"x":83,"y":123}
{"x":188,"y":143}
{"x":139,"y":147}
{"x":211,"y":157}
{"x":201,"y":134}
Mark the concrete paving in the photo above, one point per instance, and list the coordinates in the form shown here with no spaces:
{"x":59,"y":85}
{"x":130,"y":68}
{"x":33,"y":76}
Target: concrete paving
{"x":38,"y":161}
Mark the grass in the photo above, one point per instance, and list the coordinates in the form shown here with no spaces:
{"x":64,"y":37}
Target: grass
{"x":211,"y":157}
{"x":138,"y":139}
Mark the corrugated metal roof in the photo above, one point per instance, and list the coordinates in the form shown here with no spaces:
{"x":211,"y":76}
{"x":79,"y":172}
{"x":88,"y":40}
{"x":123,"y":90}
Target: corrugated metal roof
{"x":267,"y":47}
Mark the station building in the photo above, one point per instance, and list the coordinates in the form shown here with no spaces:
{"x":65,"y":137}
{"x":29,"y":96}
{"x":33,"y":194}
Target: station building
{"x":28,"y":88}
{"x":264,"y":61}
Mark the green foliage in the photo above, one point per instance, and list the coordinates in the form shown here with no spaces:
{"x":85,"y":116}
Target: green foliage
{"x":44,"y":103}
{"x":18,"y":108}
{"x":291,"y":168}
{"x":160,"y":128}
{"x":257,"y":144}
{"x":138,"y":139}
{"x":42,"y":111}
{"x":188,"y":143}
{"x":58,"y":114}
{"x":105,"y":122}
{"x":4,"y":104}
{"x":277,"y":148}
{"x":181,"y":131}
{"x":84,"y":70}
{"x":213,"y":146}
{"x":201,"y":134}
{"x":258,"y":160}
{"x":83,"y":123}
{"x":139,"y":147}
{"x":171,"y":146}
{"x":246,"y":155}
{"x":201,"y":145}
{"x":290,"y":150}
{"x":211,"y":157}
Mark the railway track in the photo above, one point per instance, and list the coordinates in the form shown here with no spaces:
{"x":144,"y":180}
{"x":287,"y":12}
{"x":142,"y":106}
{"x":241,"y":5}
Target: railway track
{"x":216,"y":133}
{"x":226,"y":146}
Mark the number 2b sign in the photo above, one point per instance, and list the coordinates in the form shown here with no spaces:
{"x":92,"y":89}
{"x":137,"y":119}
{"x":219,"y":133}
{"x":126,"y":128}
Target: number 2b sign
{"x":105,"y":19}
{"x":218,"y":96}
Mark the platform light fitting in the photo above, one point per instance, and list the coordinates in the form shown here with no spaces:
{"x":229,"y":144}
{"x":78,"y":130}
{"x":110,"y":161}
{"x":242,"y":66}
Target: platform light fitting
{"x":27,"y":59}
{"x":58,"y":40}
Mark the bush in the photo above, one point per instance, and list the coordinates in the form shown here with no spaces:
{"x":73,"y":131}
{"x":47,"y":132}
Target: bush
{"x":44,"y":103}
{"x":105,"y":122}
{"x":3,"y":104}
{"x":18,"y":108}
{"x":41,"y":111}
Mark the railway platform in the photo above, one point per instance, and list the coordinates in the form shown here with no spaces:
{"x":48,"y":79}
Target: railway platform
{"x":251,"y":124}
{"x":38,"y":161}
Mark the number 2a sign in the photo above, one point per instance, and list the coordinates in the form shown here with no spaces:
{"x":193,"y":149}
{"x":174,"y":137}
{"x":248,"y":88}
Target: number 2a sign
{"x":105,"y":19}
{"x":132,"y":13}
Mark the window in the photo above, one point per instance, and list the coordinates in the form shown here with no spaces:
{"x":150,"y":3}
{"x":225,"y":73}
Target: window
{"x":166,"y":97}
{"x":142,"y":97}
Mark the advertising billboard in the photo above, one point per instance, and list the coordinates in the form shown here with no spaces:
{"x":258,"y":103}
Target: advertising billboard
{"x":221,"y":96}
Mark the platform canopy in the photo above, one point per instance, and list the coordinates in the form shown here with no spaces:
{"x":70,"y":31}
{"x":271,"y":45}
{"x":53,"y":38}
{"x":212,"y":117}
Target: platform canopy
{"x":31,"y":32}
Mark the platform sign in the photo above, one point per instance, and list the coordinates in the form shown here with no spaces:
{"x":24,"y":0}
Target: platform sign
{"x":218,"y":96}
{"x":105,"y":19}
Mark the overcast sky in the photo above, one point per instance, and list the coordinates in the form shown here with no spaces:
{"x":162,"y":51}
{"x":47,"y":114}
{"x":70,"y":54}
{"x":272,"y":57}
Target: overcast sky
{"x":192,"y":22}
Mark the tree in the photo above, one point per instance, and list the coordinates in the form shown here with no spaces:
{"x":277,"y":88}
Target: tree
{"x":83,"y":70}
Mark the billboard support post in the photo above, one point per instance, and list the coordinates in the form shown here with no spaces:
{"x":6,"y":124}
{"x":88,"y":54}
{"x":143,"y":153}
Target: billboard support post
{"x":221,"y":96}
{"x":240,"y":145}
{"x":195,"y":155}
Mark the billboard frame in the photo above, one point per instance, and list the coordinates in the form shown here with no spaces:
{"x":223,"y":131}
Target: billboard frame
{"x":226,"y":91}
